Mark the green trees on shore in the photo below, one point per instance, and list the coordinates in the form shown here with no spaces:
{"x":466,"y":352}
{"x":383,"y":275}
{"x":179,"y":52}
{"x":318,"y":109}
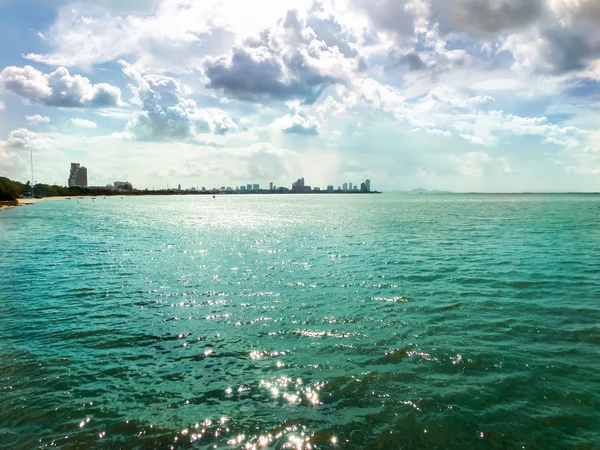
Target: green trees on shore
{"x":10,"y":190}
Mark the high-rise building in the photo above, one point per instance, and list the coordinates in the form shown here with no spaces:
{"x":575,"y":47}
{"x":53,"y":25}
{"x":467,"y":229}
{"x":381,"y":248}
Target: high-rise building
{"x":271,"y":186}
{"x":78,"y":176}
{"x":249,"y":187}
{"x":368,"y":184}
{"x":255,"y":187}
{"x":345,"y":187}
{"x":349,"y":186}
{"x":179,"y":187}
{"x":299,"y":186}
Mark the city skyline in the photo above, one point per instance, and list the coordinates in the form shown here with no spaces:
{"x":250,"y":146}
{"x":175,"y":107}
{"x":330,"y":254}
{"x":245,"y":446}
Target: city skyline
{"x":500,"y":97}
{"x":297,"y":186}
{"x":78,"y":178}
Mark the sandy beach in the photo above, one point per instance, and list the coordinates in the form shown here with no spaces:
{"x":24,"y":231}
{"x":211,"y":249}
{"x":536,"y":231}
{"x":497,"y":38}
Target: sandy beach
{"x":29,"y":201}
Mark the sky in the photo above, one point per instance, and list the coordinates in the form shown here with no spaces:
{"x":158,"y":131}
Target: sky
{"x":461,"y":95}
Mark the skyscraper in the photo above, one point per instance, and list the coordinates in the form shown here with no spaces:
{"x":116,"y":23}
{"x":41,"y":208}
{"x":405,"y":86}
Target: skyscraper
{"x":271,"y":186}
{"x":368,"y":183}
{"x":350,"y":186}
{"x":78,"y":176}
{"x":299,"y":186}
{"x":345,"y":187}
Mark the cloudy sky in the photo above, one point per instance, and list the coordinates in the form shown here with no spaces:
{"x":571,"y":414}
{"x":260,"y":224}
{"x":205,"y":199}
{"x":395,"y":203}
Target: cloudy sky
{"x":487,"y":95}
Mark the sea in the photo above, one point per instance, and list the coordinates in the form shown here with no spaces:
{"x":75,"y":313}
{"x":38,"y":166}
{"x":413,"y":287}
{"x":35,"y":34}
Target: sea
{"x":301,"y":322}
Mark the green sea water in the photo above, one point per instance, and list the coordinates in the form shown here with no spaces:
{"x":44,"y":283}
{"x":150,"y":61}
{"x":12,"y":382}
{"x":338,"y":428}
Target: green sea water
{"x":292,"y":321}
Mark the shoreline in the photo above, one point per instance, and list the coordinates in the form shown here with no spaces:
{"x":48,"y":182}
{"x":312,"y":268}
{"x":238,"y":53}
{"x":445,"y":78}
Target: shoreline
{"x":6,"y":204}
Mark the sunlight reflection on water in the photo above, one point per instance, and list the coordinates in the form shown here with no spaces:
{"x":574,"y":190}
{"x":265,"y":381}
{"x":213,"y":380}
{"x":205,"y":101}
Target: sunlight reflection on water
{"x":301,"y":322}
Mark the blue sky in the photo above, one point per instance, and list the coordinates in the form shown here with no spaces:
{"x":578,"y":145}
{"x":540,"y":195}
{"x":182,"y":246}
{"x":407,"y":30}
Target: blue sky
{"x":464,"y":95}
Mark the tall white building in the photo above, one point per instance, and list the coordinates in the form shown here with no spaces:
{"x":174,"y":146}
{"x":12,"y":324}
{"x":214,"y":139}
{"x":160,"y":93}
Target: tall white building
{"x":78,"y":175}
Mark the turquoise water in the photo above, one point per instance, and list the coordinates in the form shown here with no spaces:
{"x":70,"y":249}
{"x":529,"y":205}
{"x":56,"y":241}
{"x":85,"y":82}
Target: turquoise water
{"x":387,"y":321}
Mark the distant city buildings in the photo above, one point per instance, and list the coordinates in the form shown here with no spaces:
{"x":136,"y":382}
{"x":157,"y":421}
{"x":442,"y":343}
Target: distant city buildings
{"x":78,"y":176}
{"x":299,"y":186}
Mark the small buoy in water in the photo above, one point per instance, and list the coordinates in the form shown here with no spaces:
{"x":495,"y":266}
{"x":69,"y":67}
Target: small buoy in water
{"x":213,"y":196}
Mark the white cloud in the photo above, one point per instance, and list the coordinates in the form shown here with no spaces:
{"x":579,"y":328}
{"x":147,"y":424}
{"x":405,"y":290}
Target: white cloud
{"x":167,"y":115}
{"x":566,"y":39}
{"x":37,"y":119}
{"x":434,"y":131}
{"x":176,"y":35}
{"x":12,"y":164}
{"x":479,"y":164}
{"x":445,"y":112}
{"x":2,"y":105}
{"x":298,"y":123}
{"x":23,"y":138}
{"x":58,"y":88}
{"x":286,"y":61}
{"x":83,"y":123}
{"x":195,"y":165}
{"x":476,"y":80}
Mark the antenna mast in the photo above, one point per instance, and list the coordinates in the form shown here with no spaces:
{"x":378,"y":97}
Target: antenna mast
{"x":32,"y":182}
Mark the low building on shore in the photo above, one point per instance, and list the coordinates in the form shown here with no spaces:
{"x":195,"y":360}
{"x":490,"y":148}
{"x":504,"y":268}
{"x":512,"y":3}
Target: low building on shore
{"x":123,"y":186}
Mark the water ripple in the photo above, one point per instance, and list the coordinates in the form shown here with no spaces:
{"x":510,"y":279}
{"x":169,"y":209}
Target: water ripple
{"x":302,"y":322}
